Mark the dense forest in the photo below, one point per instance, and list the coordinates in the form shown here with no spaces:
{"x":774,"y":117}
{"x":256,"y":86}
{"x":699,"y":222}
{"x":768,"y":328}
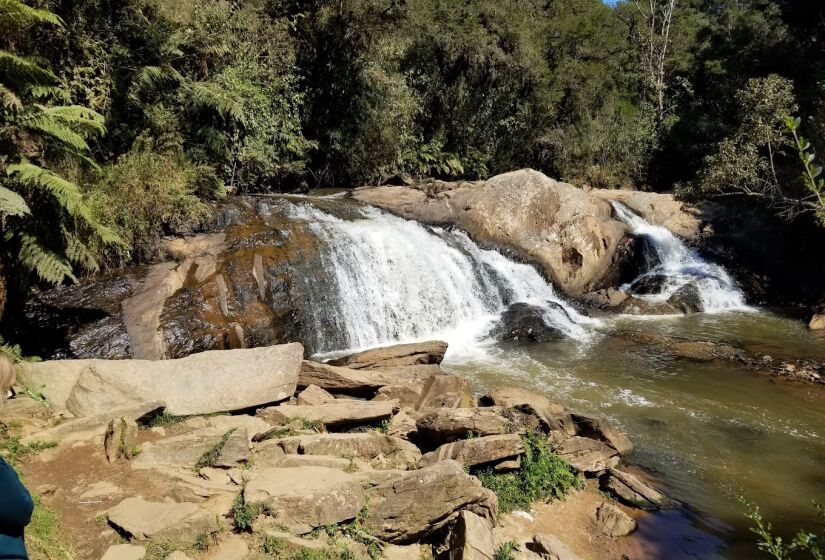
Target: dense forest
{"x":120,"y":120}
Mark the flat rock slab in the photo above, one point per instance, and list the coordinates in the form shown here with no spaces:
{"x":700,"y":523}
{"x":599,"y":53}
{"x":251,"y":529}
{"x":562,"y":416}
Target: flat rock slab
{"x":633,"y":491}
{"x":599,"y":427}
{"x":94,"y":425}
{"x":419,"y":353}
{"x":381,"y":451}
{"x":450,"y":424}
{"x":411,"y":505}
{"x":178,"y":523}
{"x":187,"y":449}
{"x":360,"y":382}
{"x":588,"y":455}
{"x":551,"y":547}
{"x":304,"y":498}
{"x":613,"y":522}
{"x":477,"y":451}
{"x":336,"y":413}
{"x":516,"y":396}
{"x":314,"y":394}
{"x":213,"y":381}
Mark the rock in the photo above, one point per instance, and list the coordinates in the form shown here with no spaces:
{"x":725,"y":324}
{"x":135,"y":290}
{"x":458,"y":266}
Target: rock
{"x":178,"y":523}
{"x":119,"y":439}
{"x":184,"y":485}
{"x":550,"y":547}
{"x":633,"y":491}
{"x":613,"y":522}
{"x":124,"y":552}
{"x":188,"y":449}
{"x":304,"y":498}
{"x":508,"y":465}
{"x":178,"y":555}
{"x":588,"y":455}
{"x":609,"y":297}
{"x":95,"y":425}
{"x":638,"y":306}
{"x":313,"y":395}
{"x":648,"y":284}
{"x":250,"y":424}
{"x":340,"y":412}
{"x":446,"y":391}
{"x":687,"y":299}
{"x":515,"y":396}
{"x":450,"y":424}
{"x":471,"y":538}
{"x":658,"y":209}
{"x":599,"y":427}
{"x":477,"y":451}
{"x":360,"y":382}
{"x":525,"y":323}
{"x":203,"y":383}
{"x":569,"y":233}
{"x":817,"y":322}
{"x":412,"y":505}
{"x":314,"y":461}
{"x":230,"y":547}
{"x":418,"y":353}
{"x":101,"y":489}
{"x":381,"y":451}
{"x":402,"y":425}
{"x":407,"y":394}
{"x":409,"y":552}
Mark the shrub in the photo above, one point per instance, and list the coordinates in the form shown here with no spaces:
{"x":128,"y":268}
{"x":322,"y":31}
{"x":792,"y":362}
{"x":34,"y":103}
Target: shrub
{"x":777,"y":547}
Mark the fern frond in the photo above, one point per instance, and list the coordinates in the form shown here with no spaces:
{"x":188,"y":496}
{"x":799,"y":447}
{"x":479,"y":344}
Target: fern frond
{"x":78,"y":118}
{"x":9,"y":101}
{"x":205,"y":95}
{"x":49,"y":93}
{"x":48,"y":265}
{"x":150,"y":78}
{"x":18,"y":14}
{"x":78,"y":253}
{"x":38,"y":121}
{"x":17,"y":72}
{"x":12,"y":204}
{"x":65,"y":193}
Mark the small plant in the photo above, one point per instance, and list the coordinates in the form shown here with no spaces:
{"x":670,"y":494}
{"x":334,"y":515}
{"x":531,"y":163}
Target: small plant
{"x":13,"y":449}
{"x":543,"y":475}
{"x":506,"y":551}
{"x":165,"y":419}
{"x":812,"y":173}
{"x":778,"y":548}
{"x":308,"y":424}
{"x":243,"y":514}
{"x":384,"y":426}
{"x":211,"y":456}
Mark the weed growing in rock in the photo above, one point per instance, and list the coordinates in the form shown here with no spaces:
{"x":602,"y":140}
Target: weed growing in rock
{"x":506,"y":551}
{"x":12,"y":449}
{"x":543,"y":476}
{"x":211,"y":456}
{"x":243,"y":514}
{"x":164,"y":419}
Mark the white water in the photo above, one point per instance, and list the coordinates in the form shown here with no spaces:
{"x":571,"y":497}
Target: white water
{"x":682,"y":265}
{"x":395,"y":280}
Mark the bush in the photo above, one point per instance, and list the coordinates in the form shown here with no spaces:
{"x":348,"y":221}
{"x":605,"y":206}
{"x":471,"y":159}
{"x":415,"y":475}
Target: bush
{"x":543,"y":476}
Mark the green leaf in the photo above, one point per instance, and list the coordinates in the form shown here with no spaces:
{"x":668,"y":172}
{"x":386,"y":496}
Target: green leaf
{"x":17,"y":14}
{"x":17,"y":72}
{"x":12,"y":204}
{"x":48,"y":265}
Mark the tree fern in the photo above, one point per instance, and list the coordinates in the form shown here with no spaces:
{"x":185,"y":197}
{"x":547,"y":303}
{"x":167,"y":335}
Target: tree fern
{"x":9,"y":101}
{"x":48,"y":265}
{"x":65,"y":193}
{"x":12,"y":204}
{"x":211,"y":96}
{"x":16,"y":72}
{"x":18,"y":14}
{"x":60,"y":132}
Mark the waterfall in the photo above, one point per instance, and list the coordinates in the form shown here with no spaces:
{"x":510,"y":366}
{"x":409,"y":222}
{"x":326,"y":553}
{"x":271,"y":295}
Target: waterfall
{"x":386,"y":279}
{"x":679,"y":265}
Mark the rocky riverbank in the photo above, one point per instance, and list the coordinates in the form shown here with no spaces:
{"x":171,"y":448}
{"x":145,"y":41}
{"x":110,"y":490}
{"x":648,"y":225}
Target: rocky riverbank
{"x":259,"y":454}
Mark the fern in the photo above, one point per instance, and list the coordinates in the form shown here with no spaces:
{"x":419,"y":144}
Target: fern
{"x":48,"y":265}
{"x":9,"y":101}
{"x":12,"y":204}
{"x":55,"y":129}
{"x":152,"y":78}
{"x":17,"y":72}
{"x":17,"y":14}
{"x":209,"y":96}
{"x":78,"y":118}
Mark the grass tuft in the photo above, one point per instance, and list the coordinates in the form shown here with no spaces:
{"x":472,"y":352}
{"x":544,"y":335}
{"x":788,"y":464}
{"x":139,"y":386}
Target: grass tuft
{"x":211,"y":455}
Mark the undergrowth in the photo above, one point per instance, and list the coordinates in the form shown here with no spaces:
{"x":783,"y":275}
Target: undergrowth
{"x":543,"y":476}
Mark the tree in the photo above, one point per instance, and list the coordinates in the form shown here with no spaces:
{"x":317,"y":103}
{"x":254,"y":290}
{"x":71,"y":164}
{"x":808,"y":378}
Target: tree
{"x":657,"y":17}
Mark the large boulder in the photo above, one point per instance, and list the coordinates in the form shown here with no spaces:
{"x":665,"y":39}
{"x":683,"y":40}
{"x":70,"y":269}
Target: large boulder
{"x":399,"y":355}
{"x":633,"y":491}
{"x":613,"y":522}
{"x":477,"y":451}
{"x":229,"y":448}
{"x":450,"y":424}
{"x":446,"y":391}
{"x":204,"y":383}
{"x":361,"y":382}
{"x":526,"y":323}
{"x":306,"y":497}
{"x":381,"y":451}
{"x":658,"y":209}
{"x":179,"y":523}
{"x":599,"y":427}
{"x":410,"y":506}
{"x":568,"y":232}
{"x":588,"y":455}
{"x":687,"y":299}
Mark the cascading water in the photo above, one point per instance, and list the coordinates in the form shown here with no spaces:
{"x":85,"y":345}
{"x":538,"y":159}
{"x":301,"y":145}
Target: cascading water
{"x":390,"y":280}
{"x":676,"y":265}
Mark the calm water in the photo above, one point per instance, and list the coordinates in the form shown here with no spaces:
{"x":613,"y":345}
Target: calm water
{"x":710,"y":432}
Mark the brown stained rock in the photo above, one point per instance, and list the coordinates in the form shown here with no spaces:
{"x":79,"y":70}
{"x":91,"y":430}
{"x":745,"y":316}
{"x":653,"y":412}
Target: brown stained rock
{"x":477,"y":451}
{"x":360,"y":382}
{"x":613,"y":522}
{"x":407,"y":394}
{"x":379,"y":450}
{"x":410,"y":506}
{"x":304,"y":498}
{"x":639,"y":306}
{"x":588,"y":455}
{"x":187,"y":449}
{"x":313,"y":395}
{"x":179,"y":523}
{"x":516,"y":396}
{"x":599,"y":427}
{"x":633,"y":491}
{"x":400,"y":355}
{"x":336,"y":413}
{"x":451,"y":424}
{"x":446,"y":391}
{"x":471,"y":538}
{"x":402,"y":425}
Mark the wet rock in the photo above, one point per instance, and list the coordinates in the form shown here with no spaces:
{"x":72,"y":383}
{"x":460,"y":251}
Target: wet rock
{"x":648,"y":284}
{"x":381,"y":451}
{"x":550,"y":547}
{"x":230,"y":448}
{"x":340,"y":412}
{"x":119,"y":438}
{"x":236,"y":379}
{"x":638,"y":306}
{"x":313,"y":395}
{"x":410,"y":506}
{"x":687,"y":299}
{"x":125,"y":552}
{"x":450,"y":424}
{"x":659,"y":209}
{"x":609,"y":297}
{"x":599,"y":427}
{"x":588,"y":455}
{"x":613,"y":522}
{"x":446,"y":391}
{"x":817,"y":322}
{"x":306,"y":497}
{"x":477,"y":451}
{"x":400,"y":355}
{"x":526,"y":323}
{"x":633,"y":491}
{"x":179,"y":523}
{"x":471,"y":538}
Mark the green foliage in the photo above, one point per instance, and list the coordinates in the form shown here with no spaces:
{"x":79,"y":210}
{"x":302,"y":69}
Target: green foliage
{"x":243,"y":514}
{"x":210,"y":456}
{"x":542,"y":476}
{"x":812,"y":176}
{"x":165,"y":419}
{"x":776,"y":546}
{"x":506,"y":551}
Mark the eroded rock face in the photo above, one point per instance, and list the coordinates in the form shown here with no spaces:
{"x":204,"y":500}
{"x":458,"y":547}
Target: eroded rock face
{"x":399,"y":355}
{"x":409,"y":506}
{"x":632,"y":491}
{"x":446,"y":425}
{"x":588,"y":455}
{"x":477,"y":451}
{"x":383,"y":452}
{"x":178,"y":523}
{"x":471,"y":538}
{"x":687,"y":299}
